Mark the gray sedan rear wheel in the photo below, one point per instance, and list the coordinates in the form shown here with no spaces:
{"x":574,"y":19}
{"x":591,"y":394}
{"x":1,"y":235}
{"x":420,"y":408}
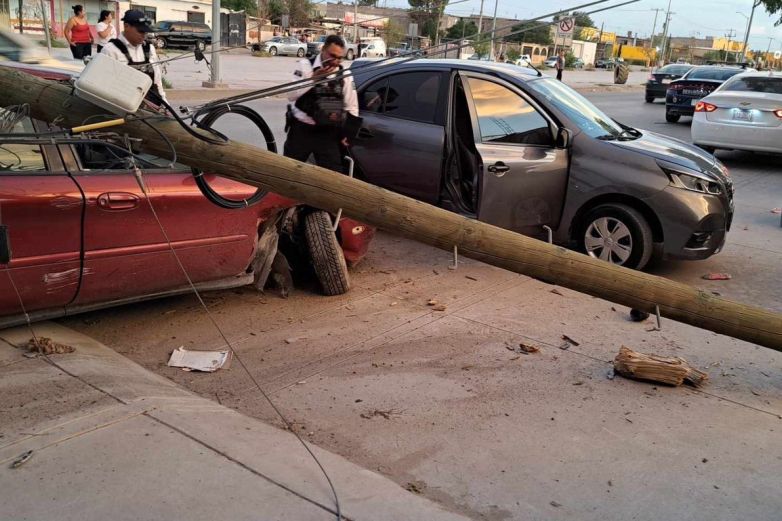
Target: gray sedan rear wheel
{"x":619,"y":234}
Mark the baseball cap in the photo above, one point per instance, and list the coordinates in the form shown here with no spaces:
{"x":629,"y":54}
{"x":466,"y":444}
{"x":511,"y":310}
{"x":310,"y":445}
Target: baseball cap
{"x":138,"y":20}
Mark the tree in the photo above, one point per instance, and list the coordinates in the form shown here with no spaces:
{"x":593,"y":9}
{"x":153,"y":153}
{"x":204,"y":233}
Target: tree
{"x":427,"y":13}
{"x":512,"y":55}
{"x":393,"y":32}
{"x":534,"y":32}
{"x":773,"y":7}
{"x":298,"y":11}
{"x":462,"y":28}
{"x":481,"y":46}
{"x":368,"y":3}
{"x":248,"y":6}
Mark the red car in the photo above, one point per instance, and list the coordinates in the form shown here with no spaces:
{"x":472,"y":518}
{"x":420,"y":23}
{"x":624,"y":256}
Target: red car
{"x":76,"y":232}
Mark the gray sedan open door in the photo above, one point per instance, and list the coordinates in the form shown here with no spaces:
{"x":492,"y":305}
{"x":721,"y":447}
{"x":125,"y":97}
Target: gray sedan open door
{"x":523,"y":176}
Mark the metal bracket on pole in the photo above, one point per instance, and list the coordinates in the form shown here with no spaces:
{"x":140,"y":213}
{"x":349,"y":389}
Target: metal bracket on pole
{"x":455,"y":258}
{"x":550,"y":233}
{"x":351,"y":165}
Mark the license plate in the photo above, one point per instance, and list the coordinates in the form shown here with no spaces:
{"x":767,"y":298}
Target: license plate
{"x":665,"y":81}
{"x":691,"y":92}
{"x":742,"y":115}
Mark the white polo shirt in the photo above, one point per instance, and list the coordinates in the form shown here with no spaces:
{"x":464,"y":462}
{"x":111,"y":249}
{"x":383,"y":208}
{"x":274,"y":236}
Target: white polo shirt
{"x":304,"y":71}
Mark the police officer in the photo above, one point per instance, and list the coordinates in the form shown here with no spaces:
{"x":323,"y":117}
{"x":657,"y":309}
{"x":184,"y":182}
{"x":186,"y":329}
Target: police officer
{"x":316,"y":121}
{"x":132,"y":48}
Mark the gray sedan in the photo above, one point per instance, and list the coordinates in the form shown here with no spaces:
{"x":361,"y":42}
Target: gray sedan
{"x":506,"y":146}
{"x":285,"y":45}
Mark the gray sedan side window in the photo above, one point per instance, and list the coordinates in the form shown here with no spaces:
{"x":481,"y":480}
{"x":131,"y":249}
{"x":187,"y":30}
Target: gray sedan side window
{"x":409,"y":95}
{"x":506,"y":117}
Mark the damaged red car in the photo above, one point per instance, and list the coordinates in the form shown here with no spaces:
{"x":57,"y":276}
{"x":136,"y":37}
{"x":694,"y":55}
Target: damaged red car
{"x":77,"y":232}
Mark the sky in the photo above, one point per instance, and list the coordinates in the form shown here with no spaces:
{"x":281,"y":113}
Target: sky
{"x":692,"y":18}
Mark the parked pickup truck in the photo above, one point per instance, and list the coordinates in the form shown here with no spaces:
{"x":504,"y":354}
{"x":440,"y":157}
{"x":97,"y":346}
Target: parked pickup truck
{"x":314,"y":47}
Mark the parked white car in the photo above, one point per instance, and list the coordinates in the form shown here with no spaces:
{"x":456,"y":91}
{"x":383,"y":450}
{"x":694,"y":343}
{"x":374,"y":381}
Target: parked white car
{"x":523,"y":61}
{"x":744,"y":113}
{"x":372,"y":48}
{"x":285,"y":45}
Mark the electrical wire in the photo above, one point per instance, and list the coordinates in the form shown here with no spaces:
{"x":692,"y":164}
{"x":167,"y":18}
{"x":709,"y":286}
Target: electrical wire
{"x":139,"y":178}
{"x":402,"y":58}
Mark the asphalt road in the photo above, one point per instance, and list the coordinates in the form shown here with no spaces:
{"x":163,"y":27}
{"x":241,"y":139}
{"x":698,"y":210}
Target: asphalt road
{"x":754,"y":246}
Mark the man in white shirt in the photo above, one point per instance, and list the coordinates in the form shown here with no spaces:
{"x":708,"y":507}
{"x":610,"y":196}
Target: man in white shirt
{"x":316,"y":121}
{"x":131,"y":48}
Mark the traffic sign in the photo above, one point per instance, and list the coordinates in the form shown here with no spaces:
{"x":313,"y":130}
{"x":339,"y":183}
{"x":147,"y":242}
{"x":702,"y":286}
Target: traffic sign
{"x":565,"y":27}
{"x":778,"y":55}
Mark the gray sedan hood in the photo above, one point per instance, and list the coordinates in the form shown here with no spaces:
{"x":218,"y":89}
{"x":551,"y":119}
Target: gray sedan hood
{"x":670,"y":150}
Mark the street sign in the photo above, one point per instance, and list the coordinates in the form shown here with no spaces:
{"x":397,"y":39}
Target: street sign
{"x":565,"y":27}
{"x":285,"y":22}
{"x":778,"y":55}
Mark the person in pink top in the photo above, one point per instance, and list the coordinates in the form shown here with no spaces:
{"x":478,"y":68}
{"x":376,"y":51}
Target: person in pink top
{"x":77,"y":32}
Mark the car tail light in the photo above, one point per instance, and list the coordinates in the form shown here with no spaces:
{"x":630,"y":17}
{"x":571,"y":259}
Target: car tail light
{"x":778,"y":113}
{"x":651,"y":77}
{"x":702,"y":106}
{"x":676,"y":86}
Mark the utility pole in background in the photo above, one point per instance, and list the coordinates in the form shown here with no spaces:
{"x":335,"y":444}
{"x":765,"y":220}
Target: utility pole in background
{"x":355,"y":22}
{"x":480,"y":19}
{"x":654,"y":26}
{"x":599,"y":42}
{"x":665,"y":33}
{"x":214,"y":77}
{"x":729,"y":36}
{"x":44,"y":6}
{"x":493,"y":28}
{"x":768,"y":50}
{"x":755,"y":3}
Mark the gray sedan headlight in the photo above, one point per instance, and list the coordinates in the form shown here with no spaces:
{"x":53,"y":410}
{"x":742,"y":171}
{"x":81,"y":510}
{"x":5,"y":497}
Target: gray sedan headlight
{"x":693,"y":182}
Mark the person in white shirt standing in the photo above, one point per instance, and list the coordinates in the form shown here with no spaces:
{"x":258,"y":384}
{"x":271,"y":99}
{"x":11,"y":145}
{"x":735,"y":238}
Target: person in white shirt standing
{"x":132,"y":48}
{"x":105,"y":29}
{"x":316,"y":122}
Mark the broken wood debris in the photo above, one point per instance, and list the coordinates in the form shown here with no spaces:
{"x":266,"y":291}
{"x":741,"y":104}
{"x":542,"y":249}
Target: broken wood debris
{"x":666,"y":370}
{"x":522,"y":348}
{"x":47,"y":346}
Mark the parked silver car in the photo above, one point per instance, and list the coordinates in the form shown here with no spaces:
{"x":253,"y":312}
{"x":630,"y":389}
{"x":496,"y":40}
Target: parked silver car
{"x":744,"y":113}
{"x":285,"y":45}
{"x":504,"y":145}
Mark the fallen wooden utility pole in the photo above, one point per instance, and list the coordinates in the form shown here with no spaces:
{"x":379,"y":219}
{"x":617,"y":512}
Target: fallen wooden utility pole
{"x":403,"y":216}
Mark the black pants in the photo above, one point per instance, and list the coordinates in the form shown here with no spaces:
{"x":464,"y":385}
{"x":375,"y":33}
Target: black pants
{"x":322,"y":142}
{"x":80,"y":50}
{"x":559,"y":74}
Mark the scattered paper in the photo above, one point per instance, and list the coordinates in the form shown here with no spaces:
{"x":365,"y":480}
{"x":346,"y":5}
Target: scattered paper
{"x":206,"y":361}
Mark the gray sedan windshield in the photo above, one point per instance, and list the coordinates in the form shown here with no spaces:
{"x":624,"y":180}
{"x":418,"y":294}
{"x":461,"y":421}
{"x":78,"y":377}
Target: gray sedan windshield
{"x":577,"y":108}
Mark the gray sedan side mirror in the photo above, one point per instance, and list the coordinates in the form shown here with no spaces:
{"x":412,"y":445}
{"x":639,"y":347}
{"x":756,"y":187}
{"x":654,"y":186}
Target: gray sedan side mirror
{"x":564,"y":138}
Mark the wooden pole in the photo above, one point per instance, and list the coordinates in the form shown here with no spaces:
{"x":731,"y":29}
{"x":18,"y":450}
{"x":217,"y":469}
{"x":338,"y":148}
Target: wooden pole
{"x":407,"y":217}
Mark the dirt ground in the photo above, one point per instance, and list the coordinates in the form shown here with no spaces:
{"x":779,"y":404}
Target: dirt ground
{"x":442,"y":402}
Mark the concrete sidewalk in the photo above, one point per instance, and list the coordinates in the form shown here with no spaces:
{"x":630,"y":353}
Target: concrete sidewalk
{"x":111,"y":440}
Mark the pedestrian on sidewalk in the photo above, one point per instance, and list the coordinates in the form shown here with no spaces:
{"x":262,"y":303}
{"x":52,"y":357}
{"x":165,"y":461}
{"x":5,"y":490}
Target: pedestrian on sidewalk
{"x":77,"y":32}
{"x":560,"y":65}
{"x":105,"y":29}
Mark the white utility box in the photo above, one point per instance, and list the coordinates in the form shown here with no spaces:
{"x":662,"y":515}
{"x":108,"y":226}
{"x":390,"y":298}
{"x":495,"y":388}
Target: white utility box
{"x":112,"y":85}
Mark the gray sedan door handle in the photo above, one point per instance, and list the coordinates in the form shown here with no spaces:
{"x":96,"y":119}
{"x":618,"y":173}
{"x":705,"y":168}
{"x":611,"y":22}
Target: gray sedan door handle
{"x":498,"y":168}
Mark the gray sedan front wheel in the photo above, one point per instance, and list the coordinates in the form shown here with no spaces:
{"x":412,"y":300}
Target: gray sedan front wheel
{"x":619,"y":234}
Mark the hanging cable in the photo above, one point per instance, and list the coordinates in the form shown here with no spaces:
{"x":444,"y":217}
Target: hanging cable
{"x":139,"y":179}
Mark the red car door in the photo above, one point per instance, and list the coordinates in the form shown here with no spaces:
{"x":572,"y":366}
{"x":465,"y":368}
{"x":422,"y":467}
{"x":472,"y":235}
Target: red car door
{"x":40,"y":210}
{"x":126,"y":254}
